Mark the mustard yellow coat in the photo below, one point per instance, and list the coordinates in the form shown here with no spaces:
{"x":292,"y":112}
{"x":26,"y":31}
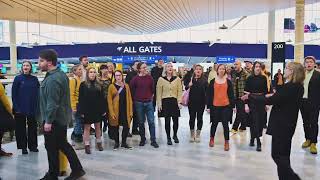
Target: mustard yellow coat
{"x":113,"y":105}
{"x":4,"y":99}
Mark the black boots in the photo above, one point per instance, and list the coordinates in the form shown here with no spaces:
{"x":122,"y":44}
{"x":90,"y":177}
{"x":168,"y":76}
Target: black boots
{"x":258,"y":145}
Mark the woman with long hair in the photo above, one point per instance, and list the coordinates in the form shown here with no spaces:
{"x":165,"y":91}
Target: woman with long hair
{"x":169,"y":93}
{"x":197,"y":102}
{"x":25,"y":94}
{"x":120,"y":109}
{"x":92,"y":106}
{"x":105,"y":81}
{"x":220,"y":103}
{"x":283,"y":117}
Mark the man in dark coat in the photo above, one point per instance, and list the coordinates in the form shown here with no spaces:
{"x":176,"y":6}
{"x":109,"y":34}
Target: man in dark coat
{"x":156,"y":73}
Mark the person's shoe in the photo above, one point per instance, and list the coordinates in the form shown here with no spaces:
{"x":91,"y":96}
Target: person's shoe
{"x":3,"y":153}
{"x":34,"y":150}
{"x":169,"y":142}
{"x":92,"y":131}
{"x":197,"y":139}
{"x":155,"y":144}
{"x":192,"y":135}
{"x":116,"y":147}
{"x":76,"y":175}
{"x":129,"y":135}
{"x":135,"y":132}
{"x":142,"y":143}
{"x":62,"y":173}
{"x":306,"y":144}
{"x":48,"y":177}
{"x":259,"y":145}
{"x":313,"y":148}
{"x":175,"y":139}
{"x":233,"y":131}
{"x":24,"y":151}
{"x":126,"y":146}
{"x":87,"y":149}
{"x":251,"y":143}
{"x":99,"y":146}
{"x":226,"y":146}
{"x":211,"y":143}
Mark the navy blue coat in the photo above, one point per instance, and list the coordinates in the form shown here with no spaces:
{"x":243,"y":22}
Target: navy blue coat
{"x":25,"y":94}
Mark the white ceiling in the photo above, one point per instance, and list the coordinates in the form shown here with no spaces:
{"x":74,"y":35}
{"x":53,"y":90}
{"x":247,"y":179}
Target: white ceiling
{"x":134,"y":16}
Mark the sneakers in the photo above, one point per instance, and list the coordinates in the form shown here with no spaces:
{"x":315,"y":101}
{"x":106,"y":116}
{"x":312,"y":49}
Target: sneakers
{"x":116,"y":147}
{"x":76,"y":175}
{"x":176,"y":140}
{"x":233,"y":131}
{"x":313,"y":148}
{"x":226,"y":146}
{"x":34,"y":150}
{"x":192,"y":136}
{"x":48,"y":177}
{"x":169,"y":142}
{"x":306,"y":144}
{"x":87,"y":149}
{"x":251,"y":142}
{"x":24,"y":151}
{"x":197,"y":139}
{"x":155,"y":144}
{"x":142,"y":143}
{"x":126,"y":146}
{"x":99,"y":146}
{"x":211,"y":143}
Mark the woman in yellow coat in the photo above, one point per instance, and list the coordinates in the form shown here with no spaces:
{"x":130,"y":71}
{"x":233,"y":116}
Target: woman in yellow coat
{"x":7,"y":110}
{"x":119,"y":98}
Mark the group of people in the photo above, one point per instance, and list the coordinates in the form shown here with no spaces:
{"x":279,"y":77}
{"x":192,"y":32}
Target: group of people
{"x":108,"y":99}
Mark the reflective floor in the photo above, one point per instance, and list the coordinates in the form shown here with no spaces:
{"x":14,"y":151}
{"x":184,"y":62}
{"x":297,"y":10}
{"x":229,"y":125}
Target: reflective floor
{"x":180,"y":161}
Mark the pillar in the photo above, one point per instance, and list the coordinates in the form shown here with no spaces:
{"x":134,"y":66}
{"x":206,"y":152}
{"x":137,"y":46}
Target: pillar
{"x":13,"y":47}
{"x":271,"y":33}
{"x":299,"y":31}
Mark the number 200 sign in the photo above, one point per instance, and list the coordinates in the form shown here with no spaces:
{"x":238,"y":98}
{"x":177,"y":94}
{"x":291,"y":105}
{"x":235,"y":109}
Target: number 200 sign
{"x":278,"y":46}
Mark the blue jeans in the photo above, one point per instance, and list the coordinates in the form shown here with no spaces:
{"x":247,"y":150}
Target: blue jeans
{"x":143,"y":110}
{"x":78,"y":127}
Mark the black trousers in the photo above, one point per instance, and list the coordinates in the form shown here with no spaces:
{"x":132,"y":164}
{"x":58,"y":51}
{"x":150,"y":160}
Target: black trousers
{"x":281,"y":149}
{"x":168,"y":126}
{"x":135,"y":120}
{"x":196,"y":112}
{"x":310,"y":116}
{"x":241,"y":116}
{"x":56,"y":140}
{"x":220,"y":114}
{"x":257,"y":113}
{"x":26,"y":138}
{"x":115,"y":132}
{"x":1,"y":136}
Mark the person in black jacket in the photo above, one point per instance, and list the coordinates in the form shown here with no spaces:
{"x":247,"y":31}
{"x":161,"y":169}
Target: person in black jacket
{"x":156,"y":73}
{"x":220,"y":102}
{"x":283,"y":117}
{"x":256,"y":84}
{"x":197,"y":101}
{"x":311,"y":104}
{"x":92,"y":107}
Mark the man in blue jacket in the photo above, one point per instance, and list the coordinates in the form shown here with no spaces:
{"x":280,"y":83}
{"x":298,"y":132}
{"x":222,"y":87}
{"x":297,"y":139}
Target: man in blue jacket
{"x":55,"y":111}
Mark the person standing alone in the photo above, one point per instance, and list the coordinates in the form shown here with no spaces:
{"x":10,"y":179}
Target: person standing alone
{"x":55,"y":111}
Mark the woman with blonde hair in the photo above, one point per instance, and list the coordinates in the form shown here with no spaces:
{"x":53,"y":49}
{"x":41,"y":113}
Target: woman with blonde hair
{"x":169,"y":93}
{"x":92,"y":107}
{"x":120,"y":109}
{"x":283,"y":118}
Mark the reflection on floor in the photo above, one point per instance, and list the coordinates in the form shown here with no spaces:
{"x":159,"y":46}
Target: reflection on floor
{"x":180,"y":161}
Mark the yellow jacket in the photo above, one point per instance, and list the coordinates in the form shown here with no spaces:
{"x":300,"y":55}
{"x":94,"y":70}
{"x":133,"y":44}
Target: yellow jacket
{"x":113,"y":105}
{"x":74,"y":85}
{"x":166,"y":89}
{"x":4,"y":99}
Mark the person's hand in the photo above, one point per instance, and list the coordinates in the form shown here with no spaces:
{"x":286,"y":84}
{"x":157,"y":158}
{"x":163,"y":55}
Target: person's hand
{"x":245,"y":97}
{"x":266,"y":108}
{"x":234,"y":110}
{"x":268,"y":95}
{"x":114,"y":117}
{"x":180,"y":106}
{"x":246,"y":108}
{"x":159,"y":108}
{"x":190,"y":84}
{"x":47,"y":127}
{"x":208,"y":110}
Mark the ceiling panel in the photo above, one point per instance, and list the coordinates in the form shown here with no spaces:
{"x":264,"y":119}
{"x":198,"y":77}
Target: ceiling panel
{"x":134,"y":17}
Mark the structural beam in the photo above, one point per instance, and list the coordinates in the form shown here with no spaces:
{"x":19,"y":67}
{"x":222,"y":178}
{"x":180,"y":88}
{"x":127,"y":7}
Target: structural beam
{"x":13,"y":47}
{"x":299,"y":32}
{"x":271,"y":33}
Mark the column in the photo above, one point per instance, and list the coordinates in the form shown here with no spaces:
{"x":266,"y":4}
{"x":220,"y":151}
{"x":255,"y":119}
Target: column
{"x":299,"y":31}
{"x":13,"y":47}
{"x":271,"y":33}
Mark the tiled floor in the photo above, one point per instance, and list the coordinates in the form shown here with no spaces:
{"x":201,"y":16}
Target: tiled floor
{"x":180,"y":161}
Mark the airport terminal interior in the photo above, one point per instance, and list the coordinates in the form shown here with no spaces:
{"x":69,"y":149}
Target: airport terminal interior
{"x":252,"y":65}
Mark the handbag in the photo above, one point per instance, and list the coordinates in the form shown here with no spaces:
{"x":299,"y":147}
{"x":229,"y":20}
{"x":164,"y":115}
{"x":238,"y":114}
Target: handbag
{"x":185,"y":97}
{"x":7,"y":122}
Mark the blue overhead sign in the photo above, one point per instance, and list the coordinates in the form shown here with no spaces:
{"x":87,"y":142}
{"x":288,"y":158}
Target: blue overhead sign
{"x":225,"y":59}
{"x":131,"y":59}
